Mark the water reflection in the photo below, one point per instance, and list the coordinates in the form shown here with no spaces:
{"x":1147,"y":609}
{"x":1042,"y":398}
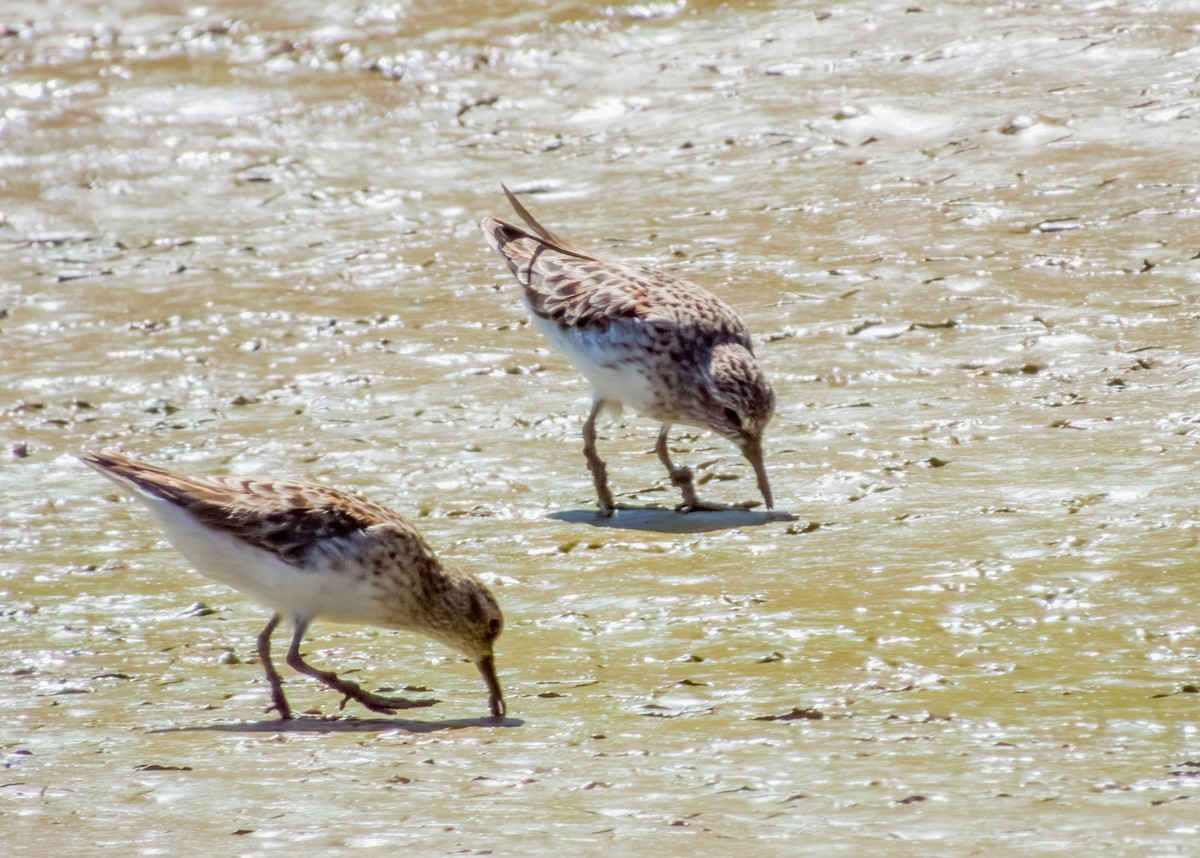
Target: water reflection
{"x":336,"y":724}
{"x":663,"y":520}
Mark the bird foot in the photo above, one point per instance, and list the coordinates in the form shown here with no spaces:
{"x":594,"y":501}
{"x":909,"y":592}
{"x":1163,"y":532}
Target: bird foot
{"x":383,"y":704}
{"x":607,"y":511}
{"x":697,"y":505}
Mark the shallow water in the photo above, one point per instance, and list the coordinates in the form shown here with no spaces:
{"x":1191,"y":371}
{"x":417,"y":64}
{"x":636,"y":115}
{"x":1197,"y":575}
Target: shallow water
{"x":965,"y":239}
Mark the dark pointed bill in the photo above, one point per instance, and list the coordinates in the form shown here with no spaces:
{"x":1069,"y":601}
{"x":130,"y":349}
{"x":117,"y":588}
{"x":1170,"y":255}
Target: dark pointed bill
{"x":752,"y":450}
{"x":487,"y":668}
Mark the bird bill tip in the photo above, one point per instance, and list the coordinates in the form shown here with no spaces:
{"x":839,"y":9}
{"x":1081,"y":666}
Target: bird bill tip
{"x":765,"y":488}
{"x":487,"y":668}
{"x":752,"y":450}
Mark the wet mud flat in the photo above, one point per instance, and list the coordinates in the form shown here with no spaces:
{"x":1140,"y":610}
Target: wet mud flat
{"x":964,"y":239}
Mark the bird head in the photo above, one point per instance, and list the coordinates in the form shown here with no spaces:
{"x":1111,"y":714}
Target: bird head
{"x":740,"y":405}
{"x":472,"y":627}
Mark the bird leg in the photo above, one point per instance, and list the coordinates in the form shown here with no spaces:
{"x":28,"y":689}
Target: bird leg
{"x":351,"y":690}
{"x":681,"y":478}
{"x":595,"y":463}
{"x":278,"y":700}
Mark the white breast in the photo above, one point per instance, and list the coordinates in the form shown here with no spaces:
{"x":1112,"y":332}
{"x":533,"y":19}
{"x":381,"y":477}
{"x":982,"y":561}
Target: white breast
{"x":605,"y":360}
{"x":279,"y":586}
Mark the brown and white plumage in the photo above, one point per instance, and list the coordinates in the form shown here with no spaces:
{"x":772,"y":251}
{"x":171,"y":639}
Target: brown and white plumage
{"x":308,"y":551}
{"x":644,"y":338}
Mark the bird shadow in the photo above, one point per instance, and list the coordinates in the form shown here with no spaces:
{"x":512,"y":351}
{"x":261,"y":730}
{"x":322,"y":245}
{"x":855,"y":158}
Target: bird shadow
{"x":663,"y":520}
{"x":317,"y":724}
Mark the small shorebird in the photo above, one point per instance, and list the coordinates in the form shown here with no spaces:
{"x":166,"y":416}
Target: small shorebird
{"x":308,"y":551}
{"x":643,"y":338}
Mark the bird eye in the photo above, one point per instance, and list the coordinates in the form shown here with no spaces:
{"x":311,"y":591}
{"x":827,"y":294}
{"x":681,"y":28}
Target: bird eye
{"x":733,"y":417}
{"x":493,"y":627}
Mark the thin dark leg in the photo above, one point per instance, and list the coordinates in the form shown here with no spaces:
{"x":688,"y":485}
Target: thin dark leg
{"x":595,"y":463}
{"x":351,"y":690}
{"x":278,"y":700}
{"x":681,"y":477}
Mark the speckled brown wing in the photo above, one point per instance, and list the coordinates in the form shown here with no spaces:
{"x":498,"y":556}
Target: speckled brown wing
{"x":288,"y":519}
{"x":577,"y":290}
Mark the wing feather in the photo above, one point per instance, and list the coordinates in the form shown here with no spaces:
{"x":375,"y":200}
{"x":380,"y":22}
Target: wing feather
{"x":581,"y":291}
{"x":288,"y":519}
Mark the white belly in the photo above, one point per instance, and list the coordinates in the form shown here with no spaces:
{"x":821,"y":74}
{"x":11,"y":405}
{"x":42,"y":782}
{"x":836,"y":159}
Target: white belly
{"x":604,"y":361}
{"x":265,"y":578}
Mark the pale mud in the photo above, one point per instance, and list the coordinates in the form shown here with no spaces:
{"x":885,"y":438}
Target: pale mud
{"x":965,"y":238}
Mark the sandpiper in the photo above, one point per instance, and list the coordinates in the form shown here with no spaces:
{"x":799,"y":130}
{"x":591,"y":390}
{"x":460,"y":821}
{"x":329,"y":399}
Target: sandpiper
{"x":646,"y":339}
{"x":308,"y":551}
